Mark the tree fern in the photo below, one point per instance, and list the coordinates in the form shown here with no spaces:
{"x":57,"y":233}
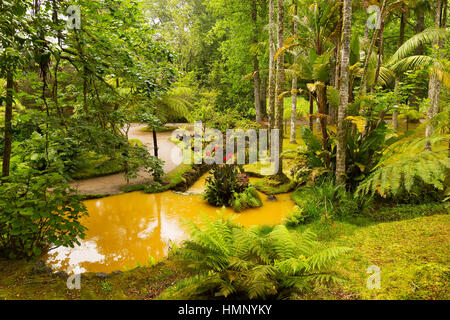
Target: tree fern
{"x":245,"y":263}
{"x":407,"y":161}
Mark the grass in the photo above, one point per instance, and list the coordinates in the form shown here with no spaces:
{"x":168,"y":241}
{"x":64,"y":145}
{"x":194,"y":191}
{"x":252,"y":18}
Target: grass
{"x":413,"y":255}
{"x":19,"y":282}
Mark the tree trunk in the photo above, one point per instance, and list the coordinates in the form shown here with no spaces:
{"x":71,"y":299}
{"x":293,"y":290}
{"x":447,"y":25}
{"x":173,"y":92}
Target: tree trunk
{"x":280,"y":80}
{"x":380,"y":50}
{"x":257,"y":81}
{"x":397,"y":80}
{"x":155,"y":142}
{"x":272,"y":70}
{"x":363,"y":87}
{"x":294,"y":89}
{"x":434,"y":92}
{"x":420,"y":27}
{"x":311,"y":112}
{"x":395,"y":112}
{"x":263,"y":96}
{"x":8,"y":125}
{"x":343,"y":93}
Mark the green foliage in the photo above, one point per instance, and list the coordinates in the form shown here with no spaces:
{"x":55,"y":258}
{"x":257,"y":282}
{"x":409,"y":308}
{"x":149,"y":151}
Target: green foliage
{"x":249,"y":198}
{"x":390,"y":212}
{"x":325,"y":202}
{"x":38,"y":212}
{"x":227,"y":187}
{"x":407,"y":163}
{"x":233,"y":262}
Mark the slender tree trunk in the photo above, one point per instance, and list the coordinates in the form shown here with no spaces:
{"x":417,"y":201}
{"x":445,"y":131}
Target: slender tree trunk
{"x":272,"y":70}
{"x":420,"y":27}
{"x":257,"y":81}
{"x":434,"y":92}
{"x":280,"y":80}
{"x":263,"y":95}
{"x":380,"y":50}
{"x":8,"y":125}
{"x":397,"y":80}
{"x":311,"y":112}
{"x":395,"y":112}
{"x":155,"y":142}
{"x":363,"y":88}
{"x":343,"y":93}
{"x":294,"y":89}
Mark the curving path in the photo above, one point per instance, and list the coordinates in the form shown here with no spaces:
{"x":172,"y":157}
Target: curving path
{"x":112,"y":184}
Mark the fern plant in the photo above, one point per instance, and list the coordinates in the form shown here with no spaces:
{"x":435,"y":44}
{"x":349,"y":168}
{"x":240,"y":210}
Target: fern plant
{"x":233,"y":262}
{"x":408,"y":163}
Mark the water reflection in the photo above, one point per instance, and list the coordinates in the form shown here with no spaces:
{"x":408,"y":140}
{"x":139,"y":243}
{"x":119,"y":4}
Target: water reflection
{"x":127,"y":229}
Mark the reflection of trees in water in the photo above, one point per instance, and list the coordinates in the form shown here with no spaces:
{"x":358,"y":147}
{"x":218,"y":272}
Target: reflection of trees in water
{"x":130,"y":227}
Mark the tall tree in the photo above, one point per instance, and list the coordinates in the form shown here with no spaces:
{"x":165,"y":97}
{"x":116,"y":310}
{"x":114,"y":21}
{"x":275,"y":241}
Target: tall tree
{"x":256,"y":78}
{"x":343,"y":92}
{"x":294,"y":85}
{"x":280,"y":79}
{"x":403,"y":21}
{"x":434,"y":92}
{"x":272,"y":69}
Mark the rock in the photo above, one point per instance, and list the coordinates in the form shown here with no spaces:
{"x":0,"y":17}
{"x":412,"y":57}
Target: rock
{"x":101,"y":275}
{"x":41,"y":268}
{"x":117,"y":273}
{"x":272,"y":198}
{"x":61,"y":274}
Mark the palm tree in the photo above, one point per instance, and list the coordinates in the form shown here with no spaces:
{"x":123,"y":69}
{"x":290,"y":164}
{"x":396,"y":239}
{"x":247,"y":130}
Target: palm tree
{"x":343,"y":91}
{"x":403,"y":60}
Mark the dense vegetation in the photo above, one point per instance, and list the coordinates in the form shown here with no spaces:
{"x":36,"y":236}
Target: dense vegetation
{"x":361,"y":103}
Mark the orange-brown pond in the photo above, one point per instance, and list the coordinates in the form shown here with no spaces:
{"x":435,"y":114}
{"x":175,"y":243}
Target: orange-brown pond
{"x":127,"y":229}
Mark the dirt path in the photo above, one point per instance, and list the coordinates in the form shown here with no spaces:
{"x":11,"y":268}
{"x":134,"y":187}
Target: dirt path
{"x":113,"y":184}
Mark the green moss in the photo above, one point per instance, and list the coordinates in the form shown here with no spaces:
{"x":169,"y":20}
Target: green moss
{"x":400,"y":249}
{"x":270,"y":186}
{"x":159,"y":129}
{"x":93,"y":166}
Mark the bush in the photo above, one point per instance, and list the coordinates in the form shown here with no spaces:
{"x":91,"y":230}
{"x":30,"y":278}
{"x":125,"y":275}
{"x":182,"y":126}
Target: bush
{"x":326,"y":201}
{"x":249,"y":198}
{"x":227,"y":187}
{"x":38,"y":211}
{"x":233,"y":262}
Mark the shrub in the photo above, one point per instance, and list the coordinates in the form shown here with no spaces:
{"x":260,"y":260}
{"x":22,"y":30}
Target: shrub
{"x":37,"y":211}
{"x":232,"y":262}
{"x":326,"y":201}
{"x":249,"y":198}
{"x":227,"y":187}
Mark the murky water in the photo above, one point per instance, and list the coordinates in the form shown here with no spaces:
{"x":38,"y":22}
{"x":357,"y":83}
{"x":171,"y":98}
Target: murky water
{"x":127,"y":229}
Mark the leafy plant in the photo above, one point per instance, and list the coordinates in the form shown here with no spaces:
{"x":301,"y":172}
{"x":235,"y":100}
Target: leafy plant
{"x":232,"y":262}
{"x":37,"y":212}
{"x":407,"y":164}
